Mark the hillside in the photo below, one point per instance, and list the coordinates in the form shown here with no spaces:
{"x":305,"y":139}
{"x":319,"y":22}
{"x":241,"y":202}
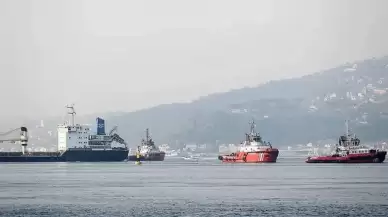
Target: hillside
{"x":297,"y":110}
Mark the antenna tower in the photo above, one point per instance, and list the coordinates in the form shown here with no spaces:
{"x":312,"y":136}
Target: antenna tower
{"x":72,"y":113}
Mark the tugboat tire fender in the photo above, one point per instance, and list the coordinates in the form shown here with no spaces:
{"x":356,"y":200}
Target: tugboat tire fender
{"x":245,"y":158}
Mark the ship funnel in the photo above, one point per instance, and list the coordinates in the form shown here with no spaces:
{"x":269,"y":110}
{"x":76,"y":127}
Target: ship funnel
{"x":100,"y":126}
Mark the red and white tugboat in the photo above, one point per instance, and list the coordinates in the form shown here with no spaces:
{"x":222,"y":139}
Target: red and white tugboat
{"x":349,"y":150}
{"x":252,"y":150}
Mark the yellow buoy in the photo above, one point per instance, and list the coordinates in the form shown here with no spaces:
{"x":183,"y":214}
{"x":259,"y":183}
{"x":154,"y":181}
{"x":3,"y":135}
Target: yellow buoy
{"x":138,"y":156}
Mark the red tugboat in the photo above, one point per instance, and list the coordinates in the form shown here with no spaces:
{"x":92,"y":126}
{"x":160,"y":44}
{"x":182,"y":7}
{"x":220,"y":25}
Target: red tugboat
{"x":349,"y":150}
{"x":252,"y":150}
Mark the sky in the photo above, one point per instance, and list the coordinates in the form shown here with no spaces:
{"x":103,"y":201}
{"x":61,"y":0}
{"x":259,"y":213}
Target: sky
{"x":125,"y":55}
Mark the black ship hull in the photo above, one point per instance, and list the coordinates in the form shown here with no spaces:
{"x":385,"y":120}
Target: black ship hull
{"x":149,"y":157}
{"x":30,"y":158}
{"x":88,"y":155}
{"x":71,"y":155}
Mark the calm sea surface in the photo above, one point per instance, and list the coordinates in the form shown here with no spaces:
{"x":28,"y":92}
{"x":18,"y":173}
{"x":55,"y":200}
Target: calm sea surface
{"x":183,"y":188}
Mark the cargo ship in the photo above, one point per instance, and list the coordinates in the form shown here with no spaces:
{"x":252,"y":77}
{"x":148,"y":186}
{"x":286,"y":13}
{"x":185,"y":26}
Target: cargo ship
{"x":148,"y":151}
{"x":76,"y":143}
{"x":252,"y":150}
{"x":349,"y":150}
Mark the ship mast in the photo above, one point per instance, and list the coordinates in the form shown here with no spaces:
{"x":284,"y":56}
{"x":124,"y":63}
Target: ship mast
{"x":72,"y":113}
{"x":349,"y":138}
{"x":252,"y":127}
{"x":147,"y":136}
{"x":252,"y":135}
{"x":149,"y":141}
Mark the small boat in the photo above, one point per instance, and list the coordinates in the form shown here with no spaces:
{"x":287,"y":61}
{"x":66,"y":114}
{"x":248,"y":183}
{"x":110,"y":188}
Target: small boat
{"x":191,"y":157}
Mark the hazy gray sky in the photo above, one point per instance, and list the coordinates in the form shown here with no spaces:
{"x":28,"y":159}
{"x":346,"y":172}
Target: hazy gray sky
{"x":124,"y":55}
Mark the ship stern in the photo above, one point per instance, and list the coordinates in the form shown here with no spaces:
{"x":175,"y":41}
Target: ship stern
{"x":381,"y":156}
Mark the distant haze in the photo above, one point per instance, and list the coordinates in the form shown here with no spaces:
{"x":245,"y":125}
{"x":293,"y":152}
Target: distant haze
{"x":122,"y":55}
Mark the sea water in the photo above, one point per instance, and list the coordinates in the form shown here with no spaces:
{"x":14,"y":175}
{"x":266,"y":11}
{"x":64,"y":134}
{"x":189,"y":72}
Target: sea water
{"x":205,"y":187}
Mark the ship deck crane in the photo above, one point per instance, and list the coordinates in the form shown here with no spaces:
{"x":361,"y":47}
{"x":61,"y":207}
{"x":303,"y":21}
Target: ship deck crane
{"x":116,"y":137}
{"x":12,"y":137}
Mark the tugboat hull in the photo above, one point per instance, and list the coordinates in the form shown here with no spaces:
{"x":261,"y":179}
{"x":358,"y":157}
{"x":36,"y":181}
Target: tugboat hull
{"x":149,"y":157}
{"x":269,"y":156}
{"x":378,"y":157}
